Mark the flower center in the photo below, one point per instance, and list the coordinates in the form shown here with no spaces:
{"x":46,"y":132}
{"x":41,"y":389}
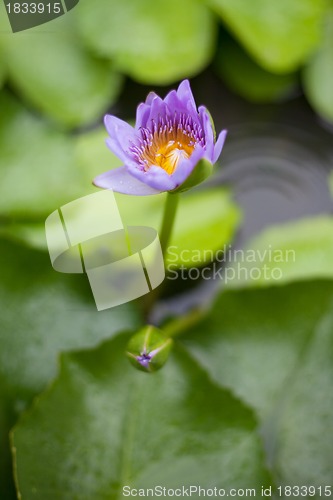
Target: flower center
{"x":167,"y":142}
{"x":167,"y":154}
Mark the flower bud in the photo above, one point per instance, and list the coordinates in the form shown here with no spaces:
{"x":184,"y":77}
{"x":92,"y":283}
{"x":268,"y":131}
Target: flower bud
{"x":148,"y":350}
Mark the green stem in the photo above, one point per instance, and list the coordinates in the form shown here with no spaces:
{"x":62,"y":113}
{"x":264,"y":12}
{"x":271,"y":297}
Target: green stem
{"x":169,"y":215}
{"x":180,"y":325}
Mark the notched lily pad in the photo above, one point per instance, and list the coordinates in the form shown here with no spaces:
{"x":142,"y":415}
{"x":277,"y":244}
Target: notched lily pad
{"x":103,"y":426}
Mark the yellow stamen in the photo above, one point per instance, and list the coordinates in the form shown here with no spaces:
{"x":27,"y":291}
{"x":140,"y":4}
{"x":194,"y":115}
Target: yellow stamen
{"x":167,"y":149}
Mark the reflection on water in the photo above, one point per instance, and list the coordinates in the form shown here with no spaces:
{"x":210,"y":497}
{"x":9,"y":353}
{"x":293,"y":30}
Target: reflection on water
{"x":275,"y":175}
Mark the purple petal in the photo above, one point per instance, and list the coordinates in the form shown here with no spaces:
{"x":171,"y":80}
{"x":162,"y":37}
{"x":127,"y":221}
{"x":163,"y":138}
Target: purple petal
{"x":185,"y":95}
{"x":208,"y":131}
{"x":174,"y":103}
{"x":142,"y":115}
{"x":156,"y":177}
{"x":121,"y":135}
{"x":121,"y":181}
{"x":150,"y":97}
{"x":158,"y":109}
{"x":219,"y":145}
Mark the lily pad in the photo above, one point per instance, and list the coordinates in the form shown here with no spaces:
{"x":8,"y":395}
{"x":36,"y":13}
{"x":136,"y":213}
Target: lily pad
{"x":37,"y":164}
{"x":3,"y":69}
{"x":103,"y":428}
{"x":280,"y":36}
{"x":151,"y":41}
{"x":55,"y":73}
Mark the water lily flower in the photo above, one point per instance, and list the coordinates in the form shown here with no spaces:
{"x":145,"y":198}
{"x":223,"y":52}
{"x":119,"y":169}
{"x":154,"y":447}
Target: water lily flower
{"x":172,"y":146}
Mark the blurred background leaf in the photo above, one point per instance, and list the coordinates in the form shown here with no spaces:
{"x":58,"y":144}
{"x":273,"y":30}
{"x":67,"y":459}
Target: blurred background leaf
{"x":3,"y":68}
{"x":36,"y":163}
{"x":298,"y":250}
{"x":279,"y":35}
{"x":41,"y":167}
{"x":103,"y":425}
{"x":273,"y":348}
{"x":154,"y":42}
{"x":318,"y":74}
{"x":67,"y":83}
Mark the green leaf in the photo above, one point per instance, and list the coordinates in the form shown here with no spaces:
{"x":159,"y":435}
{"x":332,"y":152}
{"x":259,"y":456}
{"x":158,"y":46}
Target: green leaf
{"x":244,"y":76}
{"x":318,"y":74}
{"x":103,"y":426}
{"x":5,"y":28}
{"x":36,"y":163}
{"x":53,"y":72}
{"x":292,"y":251}
{"x":279,"y":35}
{"x":151,"y":41}
{"x":305,"y":426}
{"x":3,"y":69}
{"x":273,"y":348}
